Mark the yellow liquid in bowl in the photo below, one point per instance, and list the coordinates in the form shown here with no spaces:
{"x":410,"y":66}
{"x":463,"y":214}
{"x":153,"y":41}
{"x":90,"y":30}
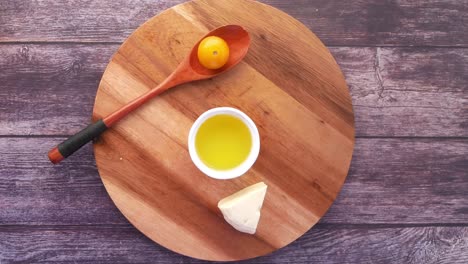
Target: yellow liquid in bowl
{"x":223,"y":142}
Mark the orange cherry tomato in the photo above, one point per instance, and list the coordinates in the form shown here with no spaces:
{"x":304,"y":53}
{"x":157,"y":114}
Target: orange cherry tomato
{"x":213,"y":52}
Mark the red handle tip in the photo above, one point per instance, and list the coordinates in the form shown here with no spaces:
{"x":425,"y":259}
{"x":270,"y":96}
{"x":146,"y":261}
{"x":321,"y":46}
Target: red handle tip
{"x":55,"y":156}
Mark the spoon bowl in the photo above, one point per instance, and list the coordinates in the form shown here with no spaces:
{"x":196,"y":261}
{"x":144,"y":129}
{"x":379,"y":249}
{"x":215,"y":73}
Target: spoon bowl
{"x":238,"y":41}
{"x":188,"y":70}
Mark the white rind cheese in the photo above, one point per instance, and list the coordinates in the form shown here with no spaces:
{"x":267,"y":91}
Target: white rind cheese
{"x":242,"y":209}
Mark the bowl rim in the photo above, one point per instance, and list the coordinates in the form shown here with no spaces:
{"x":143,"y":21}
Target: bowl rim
{"x":244,"y":166}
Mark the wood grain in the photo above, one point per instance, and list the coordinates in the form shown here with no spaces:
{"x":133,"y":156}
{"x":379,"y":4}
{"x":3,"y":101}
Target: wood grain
{"x":405,"y":181}
{"x":327,"y":244}
{"x":418,"y":181}
{"x":407,"y":91}
{"x":34,"y":193}
{"x":294,"y":91}
{"x":41,"y":82}
{"x":424,"y":87}
{"x":364,"y":22}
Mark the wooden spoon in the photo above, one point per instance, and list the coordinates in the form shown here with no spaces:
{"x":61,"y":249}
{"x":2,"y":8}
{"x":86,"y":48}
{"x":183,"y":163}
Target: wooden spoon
{"x":188,"y":70}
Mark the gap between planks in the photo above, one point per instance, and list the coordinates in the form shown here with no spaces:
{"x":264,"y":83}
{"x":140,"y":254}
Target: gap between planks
{"x":45,"y":42}
{"x":317,"y":226}
{"x":357,"y":137}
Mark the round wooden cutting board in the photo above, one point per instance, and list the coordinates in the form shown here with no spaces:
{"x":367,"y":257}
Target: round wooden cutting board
{"x":289,"y":85}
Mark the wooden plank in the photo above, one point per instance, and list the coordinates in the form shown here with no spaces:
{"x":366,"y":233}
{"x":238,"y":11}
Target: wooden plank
{"x":367,"y":22}
{"x":35,"y":192}
{"x":407,"y":91}
{"x":390,"y":181}
{"x":326,"y":244}
{"x":71,"y":20}
{"x":391,"y":88}
{"x":383,"y":23}
{"x":49,"y":89}
{"x":405,"y":181}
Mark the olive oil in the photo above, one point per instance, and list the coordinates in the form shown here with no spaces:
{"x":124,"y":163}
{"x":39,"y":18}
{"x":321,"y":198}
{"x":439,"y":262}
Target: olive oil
{"x":223,"y":142}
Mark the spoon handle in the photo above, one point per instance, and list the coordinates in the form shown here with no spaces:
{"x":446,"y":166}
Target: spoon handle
{"x":75,"y":142}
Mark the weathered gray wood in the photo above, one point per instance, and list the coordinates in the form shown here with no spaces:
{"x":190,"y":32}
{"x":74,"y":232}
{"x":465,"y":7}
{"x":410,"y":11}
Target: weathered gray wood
{"x":328,"y":244}
{"x":49,"y":89}
{"x":391,"y":181}
{"x":407,"y":91}
{"x":405,"y":181}
{"x":365,"y":22}
{"x":383,"y":22}
{"x":33,"y":191}
{"x":396,"y":91}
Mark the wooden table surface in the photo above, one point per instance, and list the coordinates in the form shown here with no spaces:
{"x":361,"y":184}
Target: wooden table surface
{"x":405,"y":199}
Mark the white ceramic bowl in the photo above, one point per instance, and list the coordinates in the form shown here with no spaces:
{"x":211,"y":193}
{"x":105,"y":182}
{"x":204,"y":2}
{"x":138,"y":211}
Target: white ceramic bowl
{"x":243,"y":167}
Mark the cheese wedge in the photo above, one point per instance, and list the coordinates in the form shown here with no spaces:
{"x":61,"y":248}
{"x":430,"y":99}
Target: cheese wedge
{"x":242,"y":209}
